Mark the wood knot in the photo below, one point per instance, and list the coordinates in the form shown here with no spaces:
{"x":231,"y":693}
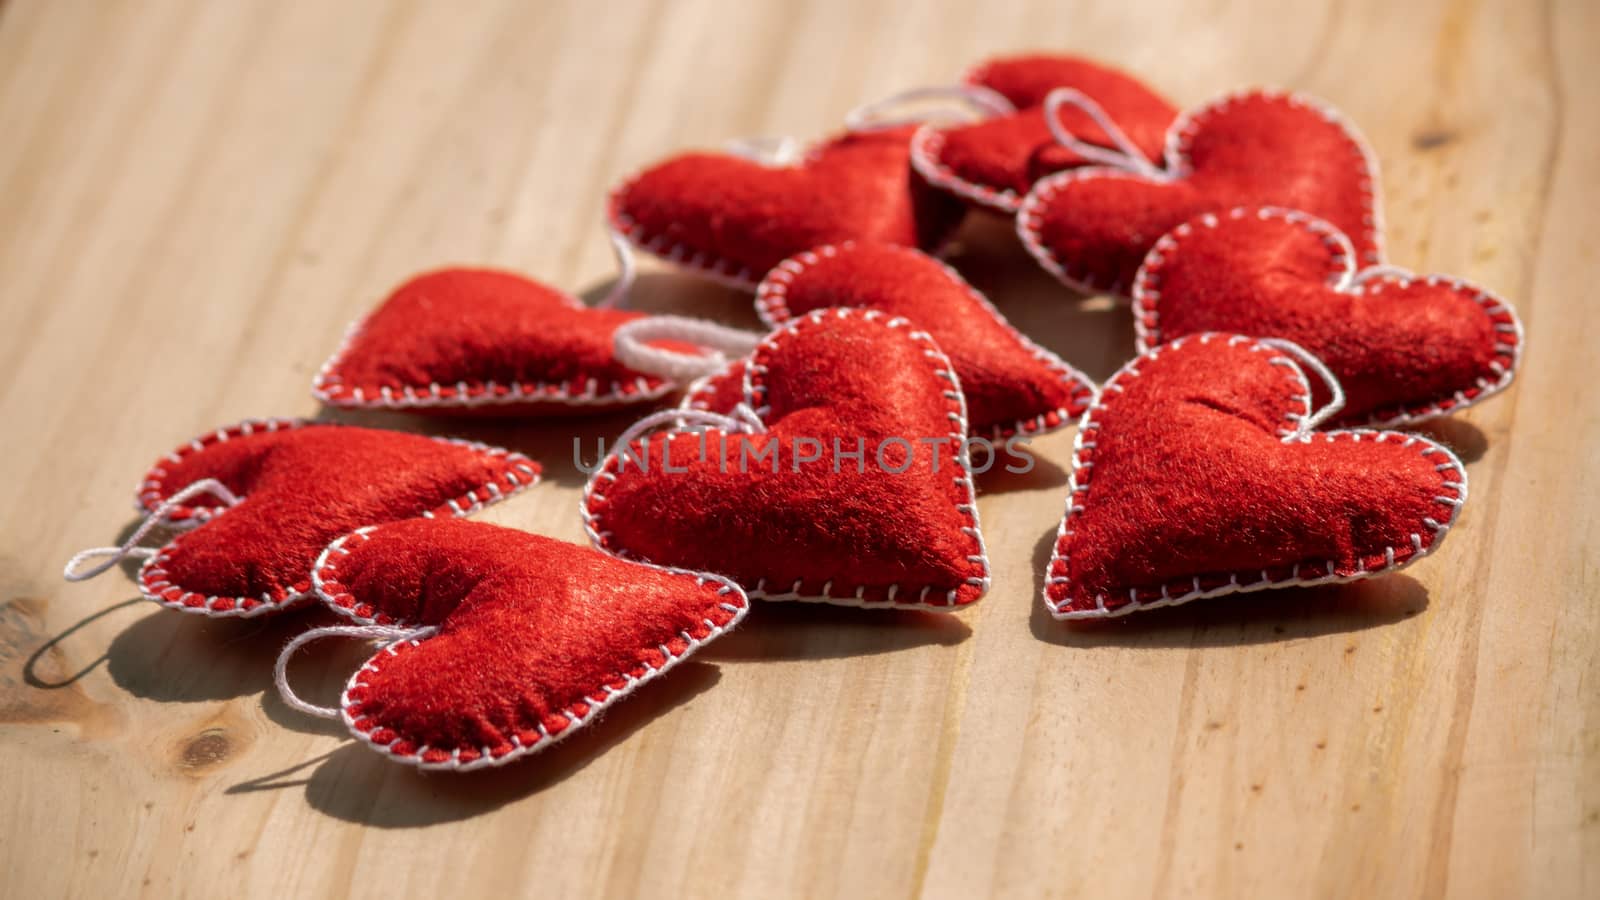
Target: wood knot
{"x":207,"y":748}
{"x":1434,"y":138}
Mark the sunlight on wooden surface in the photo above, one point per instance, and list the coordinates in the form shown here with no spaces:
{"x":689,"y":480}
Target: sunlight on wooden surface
{"x":199,"y":197}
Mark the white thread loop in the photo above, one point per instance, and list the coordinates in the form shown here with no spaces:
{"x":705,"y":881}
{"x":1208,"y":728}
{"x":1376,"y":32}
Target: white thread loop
{"x":130,"y":547}
{"x":1385,"y":271}
{"x":721,"y":343}
{"x":1336,"y":392}
{"x":1126,"y":156}
{"x":743,"y":421}
{"x":967,"y":100}
{"x":766,"y":150}
{"x":627,"y":272}
{"x":389,"y":634}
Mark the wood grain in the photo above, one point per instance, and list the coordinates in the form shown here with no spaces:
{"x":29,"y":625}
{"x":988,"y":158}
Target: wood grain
{"x":198,"y":197}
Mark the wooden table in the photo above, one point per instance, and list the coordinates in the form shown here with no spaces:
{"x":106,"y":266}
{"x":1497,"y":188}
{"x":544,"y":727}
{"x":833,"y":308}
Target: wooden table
{"x":199,"y":196}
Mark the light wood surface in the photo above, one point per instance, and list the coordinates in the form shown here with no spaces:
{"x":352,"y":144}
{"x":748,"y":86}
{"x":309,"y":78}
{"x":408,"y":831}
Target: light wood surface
{"x":196,"y":197}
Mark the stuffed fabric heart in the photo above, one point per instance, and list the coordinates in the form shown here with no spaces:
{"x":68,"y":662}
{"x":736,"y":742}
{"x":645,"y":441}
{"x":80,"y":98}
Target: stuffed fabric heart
{"x":719,"y":392}
{"x":1198,"y":473}
{"x":1011,"y":384}
{"x":1404,"y":347}
{"x":1091,"y":227}
{"x":486,"y":341}
{"x":844,"y":482}
{"x":299,"y":485}
{"x":511,"y":641}
{"x":994,"y":162}
{"x":733,"y":218}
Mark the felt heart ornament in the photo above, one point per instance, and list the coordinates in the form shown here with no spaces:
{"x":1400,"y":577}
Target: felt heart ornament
{"x":1012,"y":385}
{"x":733,"y":218}
{"x":499,"y":643}
{"x":1092,"y":226}
{"x":841,"y":478}
{"x":993,"y":162}
{"x":488,"y":342}
{"x":721,"y":391}
{"x":287,"y":488}
{"x":1199,"y":472}
{"x":1404,"y":347}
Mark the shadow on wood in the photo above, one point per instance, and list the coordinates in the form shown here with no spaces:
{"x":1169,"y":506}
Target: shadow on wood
{"x":554,"y":442}
{"x":34,"y":670}
{"x":1465,"y":439}
{"x":792,"y":630}
{"x":1044,"y":474}
{"x":682,"y":294}
{"x":1095,"y":334}
{"x":356,"y":784}
{"x":1280,"y":614}
{"x":177,"y":657}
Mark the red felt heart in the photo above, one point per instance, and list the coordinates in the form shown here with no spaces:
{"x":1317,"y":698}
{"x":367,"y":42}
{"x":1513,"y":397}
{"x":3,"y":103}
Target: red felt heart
{"x":1195,"y":475}
{"x":528,"y":638}
{"x":719,"y":392}
{"x":1404,"y":347}
{"x":1091,"y":227}
{"x":1012,"y":385}
{"x":486,"y":341}
{"x":993,"y":162}
{"x":303,"y":484}
{"x":898,"y":527}
{"x":733,"y":218}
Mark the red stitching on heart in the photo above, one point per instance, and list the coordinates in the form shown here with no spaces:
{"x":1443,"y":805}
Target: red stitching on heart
{"x":155,"y":584}
{"x":717,"y":268}
{"x":927,"y":157}
{"x":772,"y":307}
{"x":755,"y":394}
{"x":1452,"y":481}
{"x":1030,"y":213}
{"x":329,"y":388}
{"x":580,"y":711}
{"x":153,"y":488}
{"x":1346,"y":276}
{"x":711,"y":265}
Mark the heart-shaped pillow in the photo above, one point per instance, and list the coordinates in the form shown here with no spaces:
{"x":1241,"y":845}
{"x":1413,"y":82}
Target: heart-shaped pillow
{"x":293,"y":487}
{"x":1404,"y":347}
{"x":519,"y":640}
{"x":484,"y":341}
{"x":995,"y":161}
{"x":846,"y":482}
{"x":1197,"y":473}
{"x":1012,"y":385}
{"x":1091,"y":227}
{"x":734,"y":218}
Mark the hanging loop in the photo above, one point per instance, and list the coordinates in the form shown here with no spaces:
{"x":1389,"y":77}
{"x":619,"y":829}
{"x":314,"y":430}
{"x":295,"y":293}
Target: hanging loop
{"x":1315,"y":418}
{"x":767,"y":150}
{"x":959,"y":103}
{"x":1381,"y":271}
{"x":627,"y":271}
{"x":389,"y":634}
{"x":722,"y":344}
{"x":1126,"y":156}
{"x":742,"y":421}
{"x":110,"y":556}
